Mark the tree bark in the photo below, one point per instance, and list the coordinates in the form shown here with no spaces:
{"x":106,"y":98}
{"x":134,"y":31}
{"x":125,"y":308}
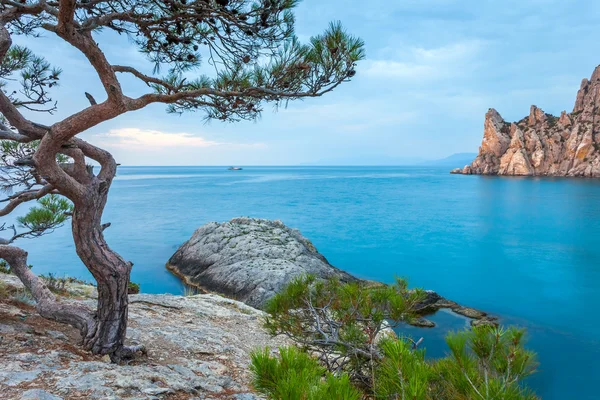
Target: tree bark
{"x":111,"y":271}
{"x":47,"y":304}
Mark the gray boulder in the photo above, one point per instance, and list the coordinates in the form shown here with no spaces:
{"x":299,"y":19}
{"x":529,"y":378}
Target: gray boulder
{"x":249,"y":259}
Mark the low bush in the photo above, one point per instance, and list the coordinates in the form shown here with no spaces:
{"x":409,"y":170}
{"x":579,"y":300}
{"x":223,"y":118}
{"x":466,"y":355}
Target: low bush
{"x":133,"y":288}
{"x":22,"y":296}
{"x":55,"y":284}
{"x":343,"y":342}
{"x":484,"y":362}
{"x":341,"y":322}
{"x":294,"y":375}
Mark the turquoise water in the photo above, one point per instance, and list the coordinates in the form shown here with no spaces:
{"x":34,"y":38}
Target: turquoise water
{"x":526,"y":250}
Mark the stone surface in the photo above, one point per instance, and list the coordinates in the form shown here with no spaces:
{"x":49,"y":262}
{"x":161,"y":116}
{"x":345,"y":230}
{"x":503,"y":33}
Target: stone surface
{"x":433,"y":302}
{"x":542,"y":144}
{"x":38,"y":394}
{"x":198,"y":348}
{"x":248,"y":259}
{"x":252,"y":259}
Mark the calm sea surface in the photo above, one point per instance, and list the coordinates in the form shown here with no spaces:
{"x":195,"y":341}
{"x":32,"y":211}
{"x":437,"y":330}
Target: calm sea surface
{"x":527,"y":250}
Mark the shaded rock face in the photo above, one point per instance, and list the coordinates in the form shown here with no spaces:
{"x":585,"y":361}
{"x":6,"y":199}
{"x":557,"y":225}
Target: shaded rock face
{"x":249,"y":259}
{"x":542,"y":144}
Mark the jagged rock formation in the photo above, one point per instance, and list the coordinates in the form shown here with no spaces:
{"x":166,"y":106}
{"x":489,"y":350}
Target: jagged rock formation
{"x":542,"y":144}
{"x":249,"y":259}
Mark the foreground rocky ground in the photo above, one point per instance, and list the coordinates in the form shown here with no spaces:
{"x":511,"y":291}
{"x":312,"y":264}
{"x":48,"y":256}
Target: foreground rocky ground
{"x":198,"y":348}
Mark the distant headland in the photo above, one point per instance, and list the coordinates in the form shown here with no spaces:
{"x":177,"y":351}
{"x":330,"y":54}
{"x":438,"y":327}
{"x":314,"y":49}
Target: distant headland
{"x":542,"y":144}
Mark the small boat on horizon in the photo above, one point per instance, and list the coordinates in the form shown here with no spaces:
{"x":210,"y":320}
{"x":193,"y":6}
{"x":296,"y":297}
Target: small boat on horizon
{"x":234,"y":169}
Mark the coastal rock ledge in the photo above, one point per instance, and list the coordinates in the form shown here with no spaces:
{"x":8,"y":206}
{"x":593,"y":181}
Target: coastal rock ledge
{"x":249,"y":259}
{"x":198,"y":348}
{"x":542,"y":144}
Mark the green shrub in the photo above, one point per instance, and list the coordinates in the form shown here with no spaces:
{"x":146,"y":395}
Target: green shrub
{"x":341,"y":322}
{"x":133,"y":288}
{"x":55,"y":284}
{"x":4,"y":268}
{"x":342,"y":325}
{"x":489,"y":362}
{"x":484,"y":363}
{"x":402,"y":372}
{"x":294,"y":375}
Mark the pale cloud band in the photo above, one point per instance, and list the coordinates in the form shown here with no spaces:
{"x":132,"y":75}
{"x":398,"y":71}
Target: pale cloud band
{"x":418,"y":63}
{"x":153,"y":139}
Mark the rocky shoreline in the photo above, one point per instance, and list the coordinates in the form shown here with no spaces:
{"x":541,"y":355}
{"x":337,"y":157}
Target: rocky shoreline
{"x":251,"y":259}
{"x":542,"y":144}
{"x":198,"y":348}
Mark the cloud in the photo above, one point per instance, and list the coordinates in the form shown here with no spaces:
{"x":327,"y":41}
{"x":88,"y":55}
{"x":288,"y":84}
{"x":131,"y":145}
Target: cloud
{"x":418,"y":63}
{"x":140,"y":138}
{"x":351,"y":115}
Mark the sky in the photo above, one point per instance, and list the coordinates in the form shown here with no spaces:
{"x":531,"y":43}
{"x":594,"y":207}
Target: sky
{"x":433,"y":69}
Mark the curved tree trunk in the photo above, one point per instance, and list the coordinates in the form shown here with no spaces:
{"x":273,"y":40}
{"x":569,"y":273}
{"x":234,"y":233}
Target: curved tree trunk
{"x":103,"y":331}
{"x":111,"y":271}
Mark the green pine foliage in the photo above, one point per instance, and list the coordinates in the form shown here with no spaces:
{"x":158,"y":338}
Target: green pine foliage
{"x":403,"y":372}
{"x":294,"y":375}
{"x":345,"y":327}
{"x":133,"y":288}
{"x":52,"y":212}
{"x":35,"y":76}
{"x":487,"y":363}
{"x":341,"y":322}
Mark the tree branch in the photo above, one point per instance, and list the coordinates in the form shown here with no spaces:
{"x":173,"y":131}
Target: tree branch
{"x":7,"y":108}
{"x":85,"y":43}
{"x":145,"y":78}
{"x":47,"y":304}
{"x":7,"y":134}
{"x":66,"y":12}
{"x":107,"y":162}
{"x":25,"y":197}
{"x":91,"y":99}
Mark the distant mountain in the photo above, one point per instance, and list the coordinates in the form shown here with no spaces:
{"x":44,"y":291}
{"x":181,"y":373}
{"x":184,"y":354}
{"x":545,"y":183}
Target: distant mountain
{"x":452,"y":161}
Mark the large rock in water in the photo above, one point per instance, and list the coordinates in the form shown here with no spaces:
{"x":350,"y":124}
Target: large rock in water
{"x":542,"y":144}
{"x":249,"y":259}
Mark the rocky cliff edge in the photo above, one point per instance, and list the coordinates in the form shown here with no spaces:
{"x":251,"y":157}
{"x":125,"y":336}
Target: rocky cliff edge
{"x":542,"y":144}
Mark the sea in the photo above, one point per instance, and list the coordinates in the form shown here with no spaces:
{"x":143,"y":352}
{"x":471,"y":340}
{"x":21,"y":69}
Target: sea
{"x":524,"y":249}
